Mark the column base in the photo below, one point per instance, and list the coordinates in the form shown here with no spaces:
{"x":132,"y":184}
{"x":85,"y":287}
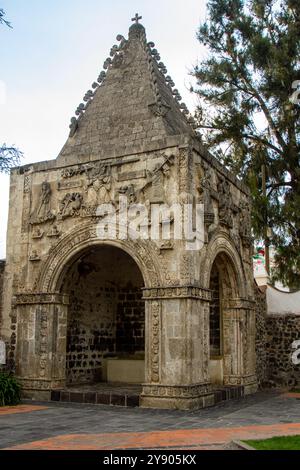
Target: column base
{"x":248,"y":382}
{"x":177,"y":397}
{"x":39,"y":389}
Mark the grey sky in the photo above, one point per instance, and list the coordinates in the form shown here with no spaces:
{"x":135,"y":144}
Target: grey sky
{"x":57,"y":49}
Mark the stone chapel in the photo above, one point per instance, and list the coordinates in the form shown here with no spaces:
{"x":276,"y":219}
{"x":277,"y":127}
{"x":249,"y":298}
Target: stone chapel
{"x":78,"y":309}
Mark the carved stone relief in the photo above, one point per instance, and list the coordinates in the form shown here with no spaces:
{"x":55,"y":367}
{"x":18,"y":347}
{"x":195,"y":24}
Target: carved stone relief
{"x":43,"y":212}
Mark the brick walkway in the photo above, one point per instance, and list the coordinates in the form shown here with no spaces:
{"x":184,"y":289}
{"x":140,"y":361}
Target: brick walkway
{"x":8,"y":410}
{"x":187,"y":438}
{"x":69,"y":427}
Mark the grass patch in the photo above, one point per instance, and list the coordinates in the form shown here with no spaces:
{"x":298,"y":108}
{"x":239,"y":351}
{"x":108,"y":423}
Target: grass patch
{"x":276,"y":443}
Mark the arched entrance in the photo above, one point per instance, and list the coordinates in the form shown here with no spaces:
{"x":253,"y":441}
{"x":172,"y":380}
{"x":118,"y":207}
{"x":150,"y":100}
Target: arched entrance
{"x":224,"y":287}
{"x":106,"y":317}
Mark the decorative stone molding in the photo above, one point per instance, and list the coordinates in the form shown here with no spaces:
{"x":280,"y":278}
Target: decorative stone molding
{"x":221,"y":243}
{"x":41,"y":298}
{"x":237,"y":304}
{"x":40,"y":384}
{"x":184,"y":172}
{"x":240,"y":380}
{"x":176,"y":391}
{"x":155,"y":341}
{"x":84,"y":236}
{"x":177,"y":292}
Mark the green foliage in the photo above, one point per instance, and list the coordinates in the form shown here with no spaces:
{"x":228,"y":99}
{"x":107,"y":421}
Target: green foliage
{"x":247,"y":116}
{"x":3,"y":20}
{"x":276,"y":443}
{"x":10,"y":390}
{"x":9,"y":158}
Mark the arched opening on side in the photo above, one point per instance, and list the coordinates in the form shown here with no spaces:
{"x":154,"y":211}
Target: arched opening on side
{"x":106,"y":318}
{"x":223,"y":285}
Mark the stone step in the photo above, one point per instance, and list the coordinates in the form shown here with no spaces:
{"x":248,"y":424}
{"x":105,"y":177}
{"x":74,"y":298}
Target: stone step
{"x":131,"y":399}
{"x":105,"y":397}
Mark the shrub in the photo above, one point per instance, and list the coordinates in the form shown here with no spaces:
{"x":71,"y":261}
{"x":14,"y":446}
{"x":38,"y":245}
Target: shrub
{"x":10,"y":390}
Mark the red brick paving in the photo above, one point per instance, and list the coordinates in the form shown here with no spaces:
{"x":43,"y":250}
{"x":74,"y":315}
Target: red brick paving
{"x":185,"y":438}
{"x":291,"y":395}
{"x":7,"y":410}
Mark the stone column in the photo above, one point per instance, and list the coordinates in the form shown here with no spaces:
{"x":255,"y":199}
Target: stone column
{"x":41,"y":343}
{"x":239,"y":343}
{"x":177,"y":348}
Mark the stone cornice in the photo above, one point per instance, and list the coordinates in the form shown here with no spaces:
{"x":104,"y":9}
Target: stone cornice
{"x":40,"y":298}
{"x":177,"y":292}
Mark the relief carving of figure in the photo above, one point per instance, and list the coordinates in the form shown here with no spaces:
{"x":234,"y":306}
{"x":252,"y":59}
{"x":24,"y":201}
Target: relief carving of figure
{"x":100,"y":180}
{"x":70,"y":205}
{"x":156,"y":180}
{"x":225,"y":203}
{"x":245,"y":222}
{"x":205,"y":190}
{"x":43,"y":211}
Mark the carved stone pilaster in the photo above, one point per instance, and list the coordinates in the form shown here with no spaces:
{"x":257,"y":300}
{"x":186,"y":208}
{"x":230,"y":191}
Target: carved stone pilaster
{"x":238,"y":334}
{"x":184,"y":173}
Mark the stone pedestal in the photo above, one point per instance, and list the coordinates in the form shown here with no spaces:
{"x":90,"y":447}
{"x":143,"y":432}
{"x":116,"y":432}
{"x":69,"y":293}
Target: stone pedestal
{"x":177,"y":349}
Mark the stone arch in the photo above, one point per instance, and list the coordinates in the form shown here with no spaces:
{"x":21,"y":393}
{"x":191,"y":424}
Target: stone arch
{"x":223,"y":248}
{"x":80,"y":239}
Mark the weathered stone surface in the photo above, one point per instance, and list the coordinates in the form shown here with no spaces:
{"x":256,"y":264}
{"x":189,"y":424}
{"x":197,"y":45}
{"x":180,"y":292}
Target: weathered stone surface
{"x":72,"y":299}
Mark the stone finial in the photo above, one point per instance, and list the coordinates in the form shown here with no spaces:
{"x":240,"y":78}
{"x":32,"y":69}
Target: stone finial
{"x":80,"y":109}
{"x":107,"y":63}
{"x":89,"y":94}
{"x":114,"y":50}
{"x":73,"y":126}
{"x":101,"y":76}
{"x":137,"y":18}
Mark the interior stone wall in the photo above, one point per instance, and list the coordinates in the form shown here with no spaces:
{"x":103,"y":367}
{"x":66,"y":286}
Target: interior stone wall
{"x":106,"y":315}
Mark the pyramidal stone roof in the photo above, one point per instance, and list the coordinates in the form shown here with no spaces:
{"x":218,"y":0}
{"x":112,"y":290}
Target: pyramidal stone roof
{"x":132,"y":105}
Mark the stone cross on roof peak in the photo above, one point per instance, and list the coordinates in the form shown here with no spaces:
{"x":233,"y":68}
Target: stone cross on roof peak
{"x":136,"y":18}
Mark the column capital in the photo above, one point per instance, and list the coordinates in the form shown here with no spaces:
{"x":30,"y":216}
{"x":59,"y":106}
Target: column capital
{"x":177,"y":292}
{"x":30,"y":298}
{"x":238,"y":304}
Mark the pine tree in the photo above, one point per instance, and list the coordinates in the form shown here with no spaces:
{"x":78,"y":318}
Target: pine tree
{"x":249,"y":112}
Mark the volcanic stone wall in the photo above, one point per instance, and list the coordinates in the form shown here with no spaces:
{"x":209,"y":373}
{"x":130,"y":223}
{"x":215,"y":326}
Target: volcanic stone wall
{"x":106,"y":315}
{"x":275,"y":334}
{"x":261,"y":336}
{"x":281,"y":332}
